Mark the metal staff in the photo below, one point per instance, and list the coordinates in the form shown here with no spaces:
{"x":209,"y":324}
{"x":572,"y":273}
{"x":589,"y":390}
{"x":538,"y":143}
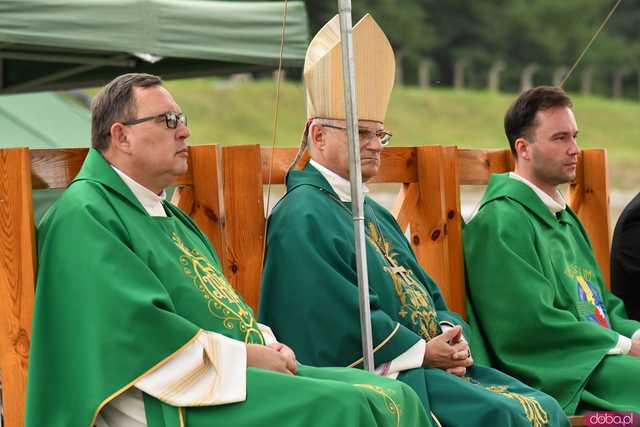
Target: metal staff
{"x":355,"y":175}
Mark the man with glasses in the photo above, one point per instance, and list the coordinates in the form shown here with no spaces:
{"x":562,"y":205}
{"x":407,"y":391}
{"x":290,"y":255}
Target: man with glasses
{"x":309,"y":287}
{"x":135,"y":324}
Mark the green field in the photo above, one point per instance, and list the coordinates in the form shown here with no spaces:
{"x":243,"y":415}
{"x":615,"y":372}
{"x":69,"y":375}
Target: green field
{"x":226,"y":112}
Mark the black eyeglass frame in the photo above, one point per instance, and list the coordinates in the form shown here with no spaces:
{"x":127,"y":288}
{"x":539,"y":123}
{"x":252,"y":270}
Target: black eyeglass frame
{"x":169,"y":117}
{"x":384,"y":136}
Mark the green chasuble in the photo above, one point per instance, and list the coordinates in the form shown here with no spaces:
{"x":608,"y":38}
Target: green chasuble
{"x":310,"y":300}
{"x":119,"y":292}
{"x":541,"y":310}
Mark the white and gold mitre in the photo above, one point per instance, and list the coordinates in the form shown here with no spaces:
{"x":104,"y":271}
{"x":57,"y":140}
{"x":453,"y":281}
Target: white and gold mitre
{"x":374,"y":71}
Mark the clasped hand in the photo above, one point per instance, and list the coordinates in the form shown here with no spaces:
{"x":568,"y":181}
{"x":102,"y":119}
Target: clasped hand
{"x":274,"y":357}
{"x":449,"y":351}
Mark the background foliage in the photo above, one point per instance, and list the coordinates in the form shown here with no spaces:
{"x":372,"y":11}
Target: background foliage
{"x":550,"y":33}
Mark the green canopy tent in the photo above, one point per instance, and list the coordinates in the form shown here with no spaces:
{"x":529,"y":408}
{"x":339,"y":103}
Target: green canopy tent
{"x":43,"y":120}
{"x":57,"y":44}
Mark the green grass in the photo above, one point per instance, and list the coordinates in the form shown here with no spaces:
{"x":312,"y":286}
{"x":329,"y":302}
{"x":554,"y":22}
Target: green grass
{"x":232,"y":113}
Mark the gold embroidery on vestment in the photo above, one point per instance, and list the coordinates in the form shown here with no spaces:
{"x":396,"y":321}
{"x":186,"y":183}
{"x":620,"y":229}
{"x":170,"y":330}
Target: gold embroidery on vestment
{"x":223,"y":301}
{"x":533,"y":410}
{"x":416,"y":302}
{"x":391,"y":404}
{"x":378,"y":347}
{"x":572,"y":271}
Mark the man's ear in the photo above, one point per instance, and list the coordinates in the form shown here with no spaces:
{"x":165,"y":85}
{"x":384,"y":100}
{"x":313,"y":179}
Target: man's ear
{"x":317,"y":134}
{"x":119,"y":138}
{"x":522,"y":148}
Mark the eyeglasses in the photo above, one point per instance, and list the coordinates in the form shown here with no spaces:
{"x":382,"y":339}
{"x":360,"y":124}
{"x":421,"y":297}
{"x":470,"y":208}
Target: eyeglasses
{"x":367,"y":135}
{"x":171,"y":118}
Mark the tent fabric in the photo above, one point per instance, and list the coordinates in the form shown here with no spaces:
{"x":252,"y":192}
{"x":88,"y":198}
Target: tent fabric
{"x":43,"y":120}
{"x":56,"y":44}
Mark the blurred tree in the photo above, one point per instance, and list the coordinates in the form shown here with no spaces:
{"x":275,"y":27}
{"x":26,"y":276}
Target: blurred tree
{"x":550,"y":33}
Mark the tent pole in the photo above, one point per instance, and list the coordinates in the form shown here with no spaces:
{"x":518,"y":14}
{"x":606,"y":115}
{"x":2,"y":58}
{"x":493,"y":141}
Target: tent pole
{"x":355,"y":175}
{"x":116,"y":61}
{"x":35,"y":83}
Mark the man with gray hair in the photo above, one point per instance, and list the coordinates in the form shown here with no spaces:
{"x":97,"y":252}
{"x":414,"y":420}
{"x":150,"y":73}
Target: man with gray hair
{"x":135,"y":324}
{"x":310,"y":292}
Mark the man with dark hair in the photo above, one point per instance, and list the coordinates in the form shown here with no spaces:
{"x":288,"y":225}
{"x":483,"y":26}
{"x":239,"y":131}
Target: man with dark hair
{"x":135,"y":324}
{"x":540,"y":310}
{"x":520,"y":118}
{"x":625,"y":258}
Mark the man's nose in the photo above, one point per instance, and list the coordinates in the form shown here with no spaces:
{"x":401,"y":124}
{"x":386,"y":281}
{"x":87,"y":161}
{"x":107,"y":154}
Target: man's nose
{"x":373,"y":144}
{"x":183,"y":131}
{"x":574,"y":149}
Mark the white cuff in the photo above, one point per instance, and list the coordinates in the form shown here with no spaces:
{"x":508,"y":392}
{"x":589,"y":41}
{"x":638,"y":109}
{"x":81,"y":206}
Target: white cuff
{"x":267,"y":333}
{"x":212,"y":370}
{"x":622,"y":346}
{"x":410,"y":359}
{"x":636,"y":335}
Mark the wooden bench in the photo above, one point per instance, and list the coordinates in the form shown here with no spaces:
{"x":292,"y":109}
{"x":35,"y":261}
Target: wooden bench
{"x":223,"y":192}
{"x":428,"y":203}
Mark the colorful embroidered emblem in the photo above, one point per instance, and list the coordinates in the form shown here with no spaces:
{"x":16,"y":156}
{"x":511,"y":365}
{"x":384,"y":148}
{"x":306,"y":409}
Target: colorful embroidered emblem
{"x":223,"y":301}
{"x":416,"y":303}
{"x":588,"y":294}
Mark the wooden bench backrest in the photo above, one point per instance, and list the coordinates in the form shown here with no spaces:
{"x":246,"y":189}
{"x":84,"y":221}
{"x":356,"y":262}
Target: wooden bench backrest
{"x":23,"y":170}
{"x":223,"y":192}
{"x":428,"y":203}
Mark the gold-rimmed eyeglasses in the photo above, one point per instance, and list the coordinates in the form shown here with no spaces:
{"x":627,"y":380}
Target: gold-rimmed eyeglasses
{"x":367,"y":135}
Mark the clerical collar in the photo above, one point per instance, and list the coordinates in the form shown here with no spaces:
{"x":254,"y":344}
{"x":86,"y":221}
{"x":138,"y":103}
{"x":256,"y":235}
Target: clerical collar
{"x":341,"y":186}
{"x":555,"y":205}
{"x":151,"y":201}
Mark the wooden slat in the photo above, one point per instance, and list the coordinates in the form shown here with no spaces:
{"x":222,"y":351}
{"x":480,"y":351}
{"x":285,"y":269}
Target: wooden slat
{"x":578,"y":421}
{"x":451,"y":188}
{"x":576,"y":193}
{"x":208,"y":202}
{"x":56,"y":168}
{"x":427,"y":228}
{"x":398,"y":164}
{"x":184,"y":198}
{"x":282,"y":158}
{"x":404,"y":208}
{"x":589,"y":198}
{"x":244,"y":233}
{"x":17,"y":279}
{"x":475,"y":166}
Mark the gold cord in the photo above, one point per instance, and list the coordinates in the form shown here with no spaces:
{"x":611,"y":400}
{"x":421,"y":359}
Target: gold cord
{"x":575,"y":64}
{"x":275,"y":129}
